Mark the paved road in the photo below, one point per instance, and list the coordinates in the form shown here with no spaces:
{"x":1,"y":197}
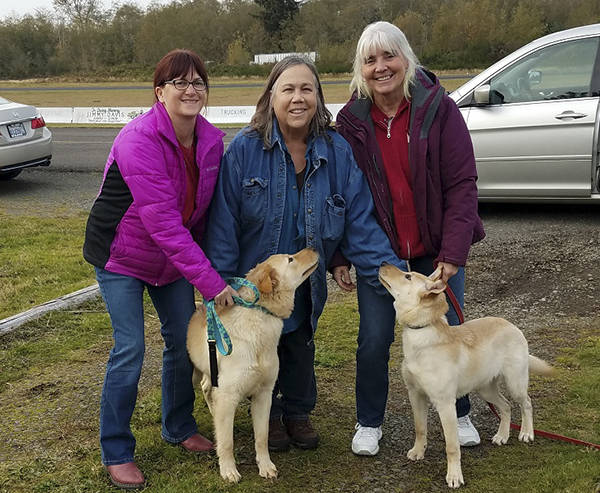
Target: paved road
{"x":71,"y":182}
{"x":86,"y":149}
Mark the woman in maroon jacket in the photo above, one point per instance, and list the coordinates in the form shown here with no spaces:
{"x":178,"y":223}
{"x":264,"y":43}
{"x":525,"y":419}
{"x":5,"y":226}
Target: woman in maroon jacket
{"x":412,"y":144}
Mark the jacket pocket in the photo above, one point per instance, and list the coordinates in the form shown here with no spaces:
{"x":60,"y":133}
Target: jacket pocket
{"x":254,"y":199}
{"x":334,"y":216}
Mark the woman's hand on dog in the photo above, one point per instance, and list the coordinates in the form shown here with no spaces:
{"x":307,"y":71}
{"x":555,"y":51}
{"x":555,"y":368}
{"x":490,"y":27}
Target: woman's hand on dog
{"x":341,"y":275}
{"x":448,"y":270}
{"x":225,"y":297}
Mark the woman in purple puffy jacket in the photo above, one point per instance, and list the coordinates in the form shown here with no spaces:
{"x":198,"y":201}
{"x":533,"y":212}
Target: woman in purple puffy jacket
{"x":143,"y":233}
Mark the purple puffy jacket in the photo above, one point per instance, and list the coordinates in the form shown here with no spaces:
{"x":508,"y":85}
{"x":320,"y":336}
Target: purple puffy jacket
{"x":135,"y":226}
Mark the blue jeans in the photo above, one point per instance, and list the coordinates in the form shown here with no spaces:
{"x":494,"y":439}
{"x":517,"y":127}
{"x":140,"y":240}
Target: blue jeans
{"x":375,"y":336}
{"x":174,"y":303}
{"x":295,"y":391}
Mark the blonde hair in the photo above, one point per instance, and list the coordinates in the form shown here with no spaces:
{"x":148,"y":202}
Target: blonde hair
{"x":387,"y":37}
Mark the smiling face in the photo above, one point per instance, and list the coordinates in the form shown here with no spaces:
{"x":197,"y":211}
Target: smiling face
{"x":182,"y":104}
{"x":384,"y":74}
{"x":294,"y":99}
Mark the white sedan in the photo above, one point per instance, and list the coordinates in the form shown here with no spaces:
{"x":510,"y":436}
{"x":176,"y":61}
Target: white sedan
{"x":25,"y":141}
{"x":534,"y":120}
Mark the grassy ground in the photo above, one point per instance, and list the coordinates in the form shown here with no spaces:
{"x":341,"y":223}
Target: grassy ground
{"x":51,"y":374}
{"x":219,"y":96}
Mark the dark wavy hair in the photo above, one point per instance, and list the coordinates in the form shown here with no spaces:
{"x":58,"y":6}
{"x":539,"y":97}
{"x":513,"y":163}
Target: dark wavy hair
{"x":177,"y":63}
{"x":262,"y":121}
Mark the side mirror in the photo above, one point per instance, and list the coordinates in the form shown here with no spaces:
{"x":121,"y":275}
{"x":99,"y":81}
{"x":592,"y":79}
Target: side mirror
{"x":481,"y":94}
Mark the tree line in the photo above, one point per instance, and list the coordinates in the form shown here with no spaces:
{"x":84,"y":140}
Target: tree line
{"x":80,"y":38}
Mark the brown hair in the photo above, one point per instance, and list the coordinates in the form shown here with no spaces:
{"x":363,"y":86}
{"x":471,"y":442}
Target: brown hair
{"x":177,"y":63}
{"x":262,"y":121}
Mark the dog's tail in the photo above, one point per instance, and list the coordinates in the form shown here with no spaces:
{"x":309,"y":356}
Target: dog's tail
{"x":540,"y":367}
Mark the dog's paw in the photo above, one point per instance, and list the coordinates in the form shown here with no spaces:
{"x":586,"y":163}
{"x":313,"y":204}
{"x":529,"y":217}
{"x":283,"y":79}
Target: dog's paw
{"x":230,"y":473}
{"x":499,"y":439}
{"x":267,"y":469}
{"x":454,"y":478}
{"x":526,"y":437}
{"x":416,"y":453}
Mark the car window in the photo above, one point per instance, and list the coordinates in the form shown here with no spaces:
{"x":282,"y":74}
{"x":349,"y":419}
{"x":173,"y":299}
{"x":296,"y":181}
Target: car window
{"x":560,"y":71}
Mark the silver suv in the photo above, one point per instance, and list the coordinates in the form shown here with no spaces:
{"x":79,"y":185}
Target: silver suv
{"x":534,"y":117}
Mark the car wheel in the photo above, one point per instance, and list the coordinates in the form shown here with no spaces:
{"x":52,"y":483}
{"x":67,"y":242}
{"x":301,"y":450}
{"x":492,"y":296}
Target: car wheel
{"x":10,"y":175}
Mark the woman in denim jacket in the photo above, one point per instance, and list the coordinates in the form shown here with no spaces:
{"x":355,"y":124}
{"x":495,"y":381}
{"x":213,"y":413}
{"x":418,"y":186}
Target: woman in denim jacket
{"x":286,"y":182}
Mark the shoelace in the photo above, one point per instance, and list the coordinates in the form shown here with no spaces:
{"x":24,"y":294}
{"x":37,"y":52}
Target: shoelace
{"x":367,"y":432}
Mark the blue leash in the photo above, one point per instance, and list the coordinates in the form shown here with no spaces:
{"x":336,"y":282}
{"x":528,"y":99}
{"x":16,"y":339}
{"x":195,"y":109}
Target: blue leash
{"x":218,"y":338}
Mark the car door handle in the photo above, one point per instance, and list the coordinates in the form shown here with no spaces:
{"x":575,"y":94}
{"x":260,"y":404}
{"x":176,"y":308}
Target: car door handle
{"x":565,"y":115}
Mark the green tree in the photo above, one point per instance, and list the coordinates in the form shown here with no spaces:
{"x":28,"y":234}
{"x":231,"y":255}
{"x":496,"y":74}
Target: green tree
{"x":27,"y":47}
{"x":526,"y":24}
{"x":413,"y":25}
{"x":121,"y":33}
{"x":237,"y":54}
{"x":81,"y":34}
{"x":275,"y":13}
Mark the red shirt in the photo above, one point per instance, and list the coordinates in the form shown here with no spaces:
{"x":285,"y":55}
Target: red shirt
{"x":191,"y":174}
{"x":392,"y":138}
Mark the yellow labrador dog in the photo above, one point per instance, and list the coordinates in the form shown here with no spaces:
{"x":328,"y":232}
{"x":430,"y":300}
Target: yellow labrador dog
{"x":251,"y":368}
{"x":442,"y":362}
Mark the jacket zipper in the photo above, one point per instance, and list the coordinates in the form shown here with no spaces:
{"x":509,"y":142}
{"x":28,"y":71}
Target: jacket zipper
{"x":388,"y":220}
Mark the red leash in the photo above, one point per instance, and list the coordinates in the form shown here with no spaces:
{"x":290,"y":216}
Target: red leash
{"x":541,"y":433}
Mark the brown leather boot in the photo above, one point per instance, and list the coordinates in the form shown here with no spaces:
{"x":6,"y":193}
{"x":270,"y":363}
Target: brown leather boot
{"x":302,"y":433}
{"x":197,"y":443}
{"x":126,"y":476}
{"x":279,"y":440}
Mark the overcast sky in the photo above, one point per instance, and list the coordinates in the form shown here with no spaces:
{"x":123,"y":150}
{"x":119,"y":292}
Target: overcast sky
{"x":22,"y":7}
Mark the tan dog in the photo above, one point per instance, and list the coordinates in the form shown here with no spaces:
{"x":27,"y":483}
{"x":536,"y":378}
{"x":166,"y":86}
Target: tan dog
{"x":442,"y":362}
{"x":252,"y":367}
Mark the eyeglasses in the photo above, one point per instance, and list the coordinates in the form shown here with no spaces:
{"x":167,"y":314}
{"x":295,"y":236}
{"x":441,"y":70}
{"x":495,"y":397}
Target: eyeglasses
{"x":183,"y":84}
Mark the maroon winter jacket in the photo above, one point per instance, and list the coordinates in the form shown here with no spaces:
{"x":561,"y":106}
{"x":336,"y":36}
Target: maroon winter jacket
{"x":442,"y":168}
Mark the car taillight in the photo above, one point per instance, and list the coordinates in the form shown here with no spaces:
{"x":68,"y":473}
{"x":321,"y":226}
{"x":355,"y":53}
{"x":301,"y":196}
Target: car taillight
{"x":38,"y":122}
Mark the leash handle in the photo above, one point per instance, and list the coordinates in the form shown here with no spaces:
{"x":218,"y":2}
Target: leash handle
{"x":212,"y":358}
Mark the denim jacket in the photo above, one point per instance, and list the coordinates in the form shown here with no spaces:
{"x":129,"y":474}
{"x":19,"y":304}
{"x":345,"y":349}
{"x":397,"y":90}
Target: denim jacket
{"x":244,"y":224}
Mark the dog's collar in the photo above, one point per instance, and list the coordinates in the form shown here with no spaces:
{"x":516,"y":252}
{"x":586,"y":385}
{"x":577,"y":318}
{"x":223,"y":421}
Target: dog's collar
{"x":415,"y":327}
{"x":236,"y":283}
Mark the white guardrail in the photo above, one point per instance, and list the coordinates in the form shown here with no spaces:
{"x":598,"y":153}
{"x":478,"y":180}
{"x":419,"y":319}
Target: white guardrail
{"x":111,"y":115}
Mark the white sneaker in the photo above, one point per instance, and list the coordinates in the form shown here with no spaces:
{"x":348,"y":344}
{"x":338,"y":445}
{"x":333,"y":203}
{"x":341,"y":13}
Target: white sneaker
{"x":467,"y":433}
{"x":366,"y":440}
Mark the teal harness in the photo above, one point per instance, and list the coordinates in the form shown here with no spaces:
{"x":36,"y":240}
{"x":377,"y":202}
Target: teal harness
{"x":218,"y":338}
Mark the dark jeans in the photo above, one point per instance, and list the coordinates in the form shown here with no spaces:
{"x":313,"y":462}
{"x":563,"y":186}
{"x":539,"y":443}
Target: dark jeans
{"x":375,"y":336}
{"x":174,"y":303}
{"x":295,"y":392}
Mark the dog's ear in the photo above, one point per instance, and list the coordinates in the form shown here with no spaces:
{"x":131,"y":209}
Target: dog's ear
{"x":266,"y":279}
{"x":434,"y":287}
{"x":436,"y":274}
